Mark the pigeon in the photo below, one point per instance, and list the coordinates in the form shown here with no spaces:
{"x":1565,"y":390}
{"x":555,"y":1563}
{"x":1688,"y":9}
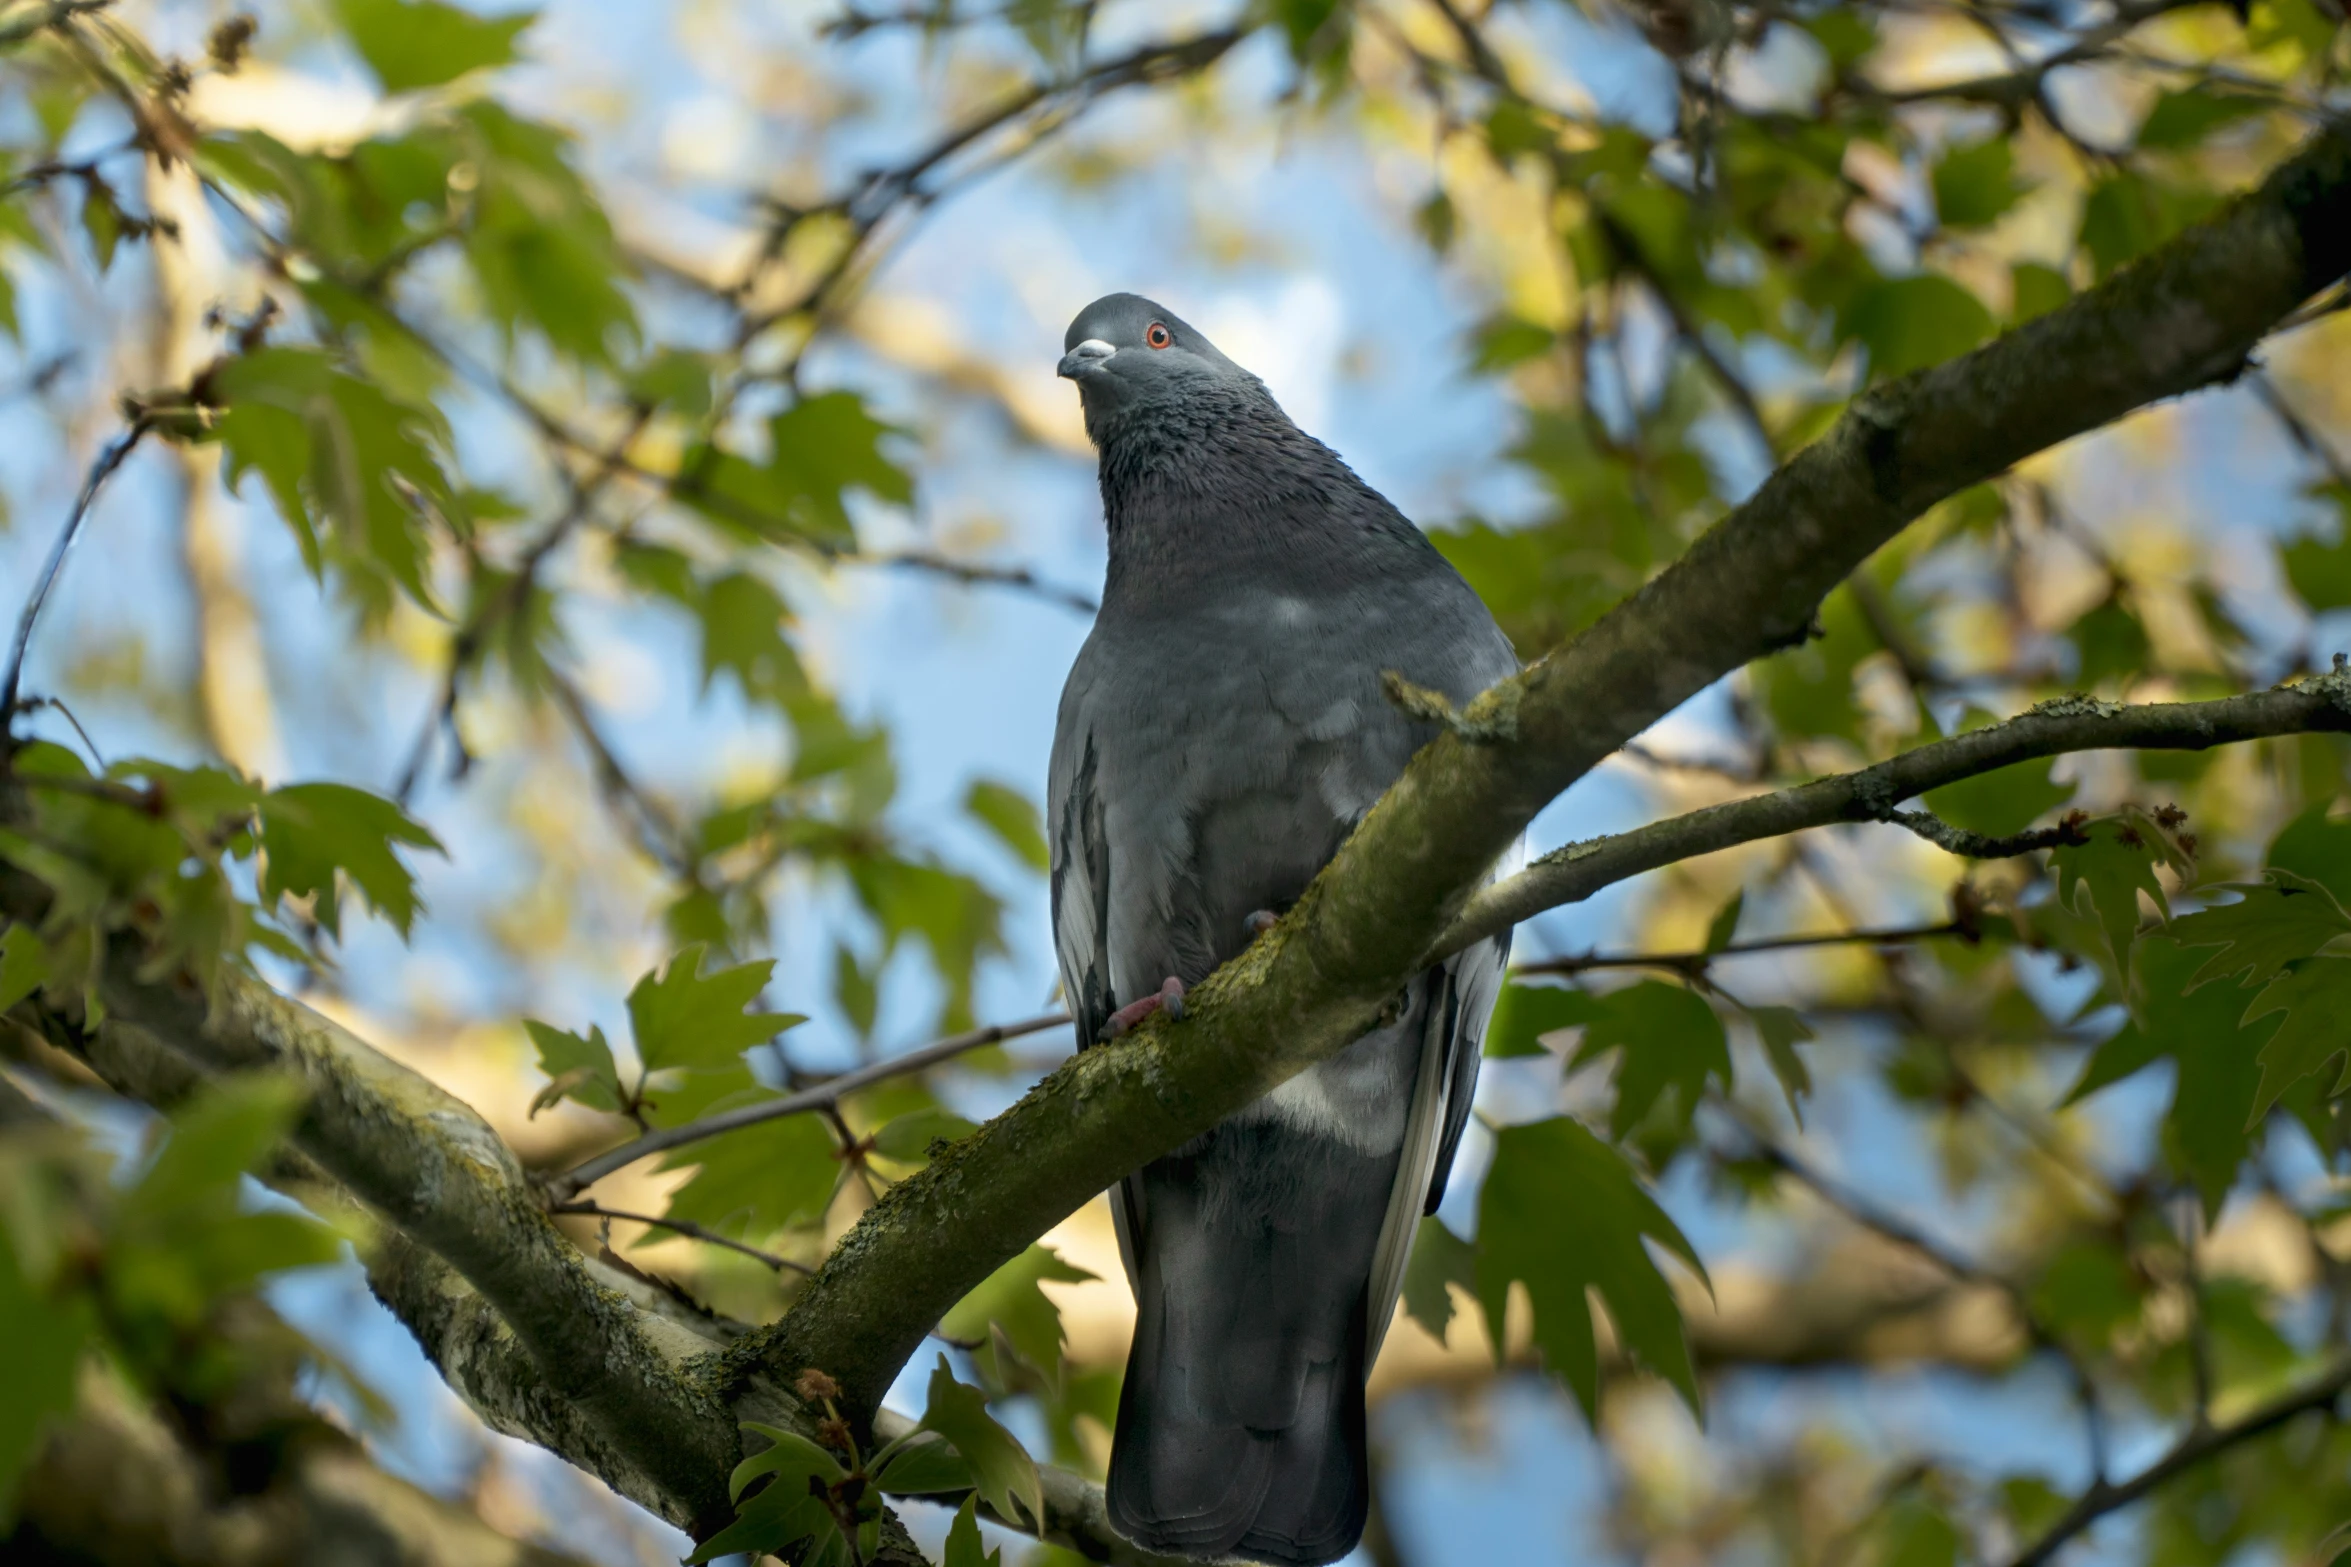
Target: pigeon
{"x":1222,"y":731}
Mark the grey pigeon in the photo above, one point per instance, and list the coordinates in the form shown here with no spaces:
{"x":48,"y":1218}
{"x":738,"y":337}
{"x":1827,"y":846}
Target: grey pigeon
{"x":1222,"y":731}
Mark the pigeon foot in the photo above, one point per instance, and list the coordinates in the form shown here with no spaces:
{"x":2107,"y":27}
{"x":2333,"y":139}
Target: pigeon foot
{"x":1168,"y":998}
{"x":1260,"y":922}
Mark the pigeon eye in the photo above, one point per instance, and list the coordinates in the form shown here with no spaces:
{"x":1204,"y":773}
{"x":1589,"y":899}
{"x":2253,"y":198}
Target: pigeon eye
{"x":1158,"y":336}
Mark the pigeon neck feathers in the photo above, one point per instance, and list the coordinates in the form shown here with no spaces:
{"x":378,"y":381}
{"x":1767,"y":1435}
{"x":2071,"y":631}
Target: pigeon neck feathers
{"x":1215,"y":481}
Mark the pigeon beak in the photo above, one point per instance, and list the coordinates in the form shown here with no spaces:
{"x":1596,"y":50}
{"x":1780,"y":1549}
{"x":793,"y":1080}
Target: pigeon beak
{"x":1078,"y":361}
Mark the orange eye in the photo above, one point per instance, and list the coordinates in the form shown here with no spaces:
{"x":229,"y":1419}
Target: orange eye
{"x":1158,"y":336}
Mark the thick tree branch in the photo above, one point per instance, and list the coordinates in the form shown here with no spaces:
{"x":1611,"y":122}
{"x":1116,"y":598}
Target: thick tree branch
{"x":113,"y":1484}
{"x":1573,"y":873}
{"x":430,"y":1165}
{"x":2184,"y":317}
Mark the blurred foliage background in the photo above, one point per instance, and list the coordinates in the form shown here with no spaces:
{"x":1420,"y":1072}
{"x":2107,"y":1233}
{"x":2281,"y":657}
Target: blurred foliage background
{"x":592,"y":495}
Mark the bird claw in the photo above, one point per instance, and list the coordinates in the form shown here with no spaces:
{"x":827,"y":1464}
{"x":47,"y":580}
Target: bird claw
{"x":1260,"y":922}
{"x":1168,"y":998}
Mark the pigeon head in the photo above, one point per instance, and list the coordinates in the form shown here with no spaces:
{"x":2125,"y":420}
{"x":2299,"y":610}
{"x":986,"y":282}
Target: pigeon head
{"x":1129,"y":355}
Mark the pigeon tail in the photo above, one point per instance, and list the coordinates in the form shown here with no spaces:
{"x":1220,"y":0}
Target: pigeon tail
{"x":1241,"y":1423}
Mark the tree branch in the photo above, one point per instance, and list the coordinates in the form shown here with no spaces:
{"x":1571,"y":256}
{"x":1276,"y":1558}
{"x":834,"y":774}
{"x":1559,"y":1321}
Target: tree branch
{"x":429,"y":1164}
{"x":821,"y":1097}
{"x":1575,"y":872}
{"x":1697,"y":961}
{"x":2185,"y":316}
{"x":110,"y":457}
{"x":2322,"y":1393}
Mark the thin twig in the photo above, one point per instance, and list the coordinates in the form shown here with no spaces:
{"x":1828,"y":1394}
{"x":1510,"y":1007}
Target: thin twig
{"x":822,"y":1096}
{"x":656,"y":834}
{"x":1977,"y":846}
{"x":1688,"y":962}
{"x":2298,"y":429}
{"x":971,"y":574}
{"x":2324,"y":1393}
{"x":109,"y":459}
{"x":687,"y":1228}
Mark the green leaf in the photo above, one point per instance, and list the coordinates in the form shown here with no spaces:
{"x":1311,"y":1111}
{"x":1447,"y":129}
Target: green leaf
{"x":676,"y":380}
{"x":1002,"y":1470}
{"x":789,"y":1456}
{"x":2204,"y":1134}
{"x":1976,"y":185}
{"x":46,"y":1333}
{"x":742,"y":634}
{"x":953,"y":915}
{"x":1562,"y":1213}
{"x":2000,"y":802}
{"x":2320,"y":570}
{"x":925,"y":1466}
{"x":2101,"y":878}
{"x":1808,"y":690}
{"x":785,"y":1511}
{"x":2269,"y":926}
{"x":1010,"y":815}
{"x":2315,"y":996}
{"x":1010,"y":1302}
{"x":410,"y":44}
{"x":1780,"y":1030}
{"x":181,"y":1237}
{"x":310,"y":832}
{"x":1508,"y":341}
{"x":2038,"y":290}
{"x":354,"y":472}
{"x":1913,"y":1533}
{"x":2111,"y":643}
{"x":1439,"y":1259}
{"x":24,"y":965}
{"x":1846,"y":36}
{"x":1301,"y":21}
{"x":2298,"y":22}
{"x":1526,"y":1013}
{"x":1910,"y":323}
{"x":1672,"y":1042}
{"x":576,"y":1068}
{"x":963,"y":1540}
{"x":907,"y":1139}
{"x":818,"y":450}
{"x":1725,"y":925}
{"x":2088,"y":1292}
{"x":2183,"y":119}
{"x":681,"y":1017}
{"x":103,"y":222}
{"x":2031,"y":1505}
{"x":2316,"y":848}
{"x":758,"y":1180}
{"x":2128,"y":214}
{"x":540,"y":245}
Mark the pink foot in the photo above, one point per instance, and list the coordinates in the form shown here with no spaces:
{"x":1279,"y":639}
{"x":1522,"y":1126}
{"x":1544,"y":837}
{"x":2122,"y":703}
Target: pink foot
{"x":1168,"y":998}
{"x":1260,"y":922}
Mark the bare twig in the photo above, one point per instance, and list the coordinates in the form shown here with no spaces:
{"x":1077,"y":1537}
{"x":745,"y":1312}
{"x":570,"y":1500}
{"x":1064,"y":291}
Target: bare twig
{"x":1978,"y":846}
{"x":2323,"y":1394}
{"x":820,"y":1097}
{"x":109,"y":459}
{"x":972,"y":573}
{"x":656,"y":834}
{"x":685,"y":1227}
{"x":1694,"y":962}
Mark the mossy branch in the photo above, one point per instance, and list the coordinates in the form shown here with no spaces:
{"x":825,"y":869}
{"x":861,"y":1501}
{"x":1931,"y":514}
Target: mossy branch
{"x":1576,"y":871}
